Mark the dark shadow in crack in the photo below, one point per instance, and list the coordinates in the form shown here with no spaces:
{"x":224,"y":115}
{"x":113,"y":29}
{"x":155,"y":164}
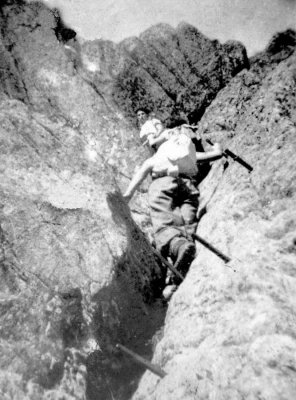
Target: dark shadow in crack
{"x":129,"y":311}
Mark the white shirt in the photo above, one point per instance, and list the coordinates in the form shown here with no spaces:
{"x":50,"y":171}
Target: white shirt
{"x":176,"y":155}
{"x":151,"y":129}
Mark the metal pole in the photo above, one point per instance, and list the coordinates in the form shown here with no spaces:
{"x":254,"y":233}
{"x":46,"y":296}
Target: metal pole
{"x":235,"y":157}
{"x":165,"y":262}
{"x":147,"y":364}
{"x":225,"y":258}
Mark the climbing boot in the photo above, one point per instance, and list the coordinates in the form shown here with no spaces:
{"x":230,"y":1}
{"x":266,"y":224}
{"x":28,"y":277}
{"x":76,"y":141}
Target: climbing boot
{"x":168,"y":291}
{"x":182,"y":252}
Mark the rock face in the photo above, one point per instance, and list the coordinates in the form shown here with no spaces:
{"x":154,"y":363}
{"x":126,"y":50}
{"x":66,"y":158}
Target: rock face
{"x":77,"y":273}
{"x":230,"y":332}
{"x":174,"y":72}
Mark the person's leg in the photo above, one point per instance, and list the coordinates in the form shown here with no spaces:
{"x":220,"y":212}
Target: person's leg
{"x":189,"y":200}
{"x":161,"y":194}
{"x":182,"y":248}
{"x":169,"y":238}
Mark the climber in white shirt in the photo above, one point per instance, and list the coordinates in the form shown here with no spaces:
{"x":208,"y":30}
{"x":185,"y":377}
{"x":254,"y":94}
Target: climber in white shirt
{"x":173,"y":194}
{"x":150,"y":128}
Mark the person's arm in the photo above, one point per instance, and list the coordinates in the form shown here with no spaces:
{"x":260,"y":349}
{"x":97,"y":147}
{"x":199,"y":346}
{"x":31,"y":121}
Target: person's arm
{"x":157,"y":140}
{"x":138,"y":178}
{"x":214,"y":154}
{"x":158,"y":126}
{"x":155,"y":137}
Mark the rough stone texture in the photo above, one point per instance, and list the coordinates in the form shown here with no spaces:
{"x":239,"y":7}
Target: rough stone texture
{"x":230,"y":331}
{"x":170,"y":71}
{"x":77,"y":274}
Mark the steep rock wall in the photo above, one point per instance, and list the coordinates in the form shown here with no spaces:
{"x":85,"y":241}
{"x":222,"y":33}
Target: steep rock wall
{"x":77,"y":275}
{"x":230,"y":330}
{"x":76,"y":271}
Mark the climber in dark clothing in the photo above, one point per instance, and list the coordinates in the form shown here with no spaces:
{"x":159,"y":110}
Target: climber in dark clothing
{"x":173,"y":195}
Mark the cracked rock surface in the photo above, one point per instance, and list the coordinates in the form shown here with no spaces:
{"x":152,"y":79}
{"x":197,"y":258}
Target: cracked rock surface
{"x":230,"y":330}
{"x":77,"y":275}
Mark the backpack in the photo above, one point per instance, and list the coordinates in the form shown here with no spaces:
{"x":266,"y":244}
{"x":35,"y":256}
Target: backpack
{"x":180,"y":151}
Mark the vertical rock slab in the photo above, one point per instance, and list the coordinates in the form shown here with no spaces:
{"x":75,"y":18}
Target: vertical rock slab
{"x":74,"y":266}
{"x":230,"y":329}
{"x":76,"y":271}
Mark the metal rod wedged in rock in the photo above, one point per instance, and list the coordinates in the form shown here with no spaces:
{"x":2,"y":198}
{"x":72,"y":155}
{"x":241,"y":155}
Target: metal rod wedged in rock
{"x":165,"y":262}
{"x":225,"y":258}
{"x":147,"y":364}
{"x":126,"y":176}
{"x":229,"y":153}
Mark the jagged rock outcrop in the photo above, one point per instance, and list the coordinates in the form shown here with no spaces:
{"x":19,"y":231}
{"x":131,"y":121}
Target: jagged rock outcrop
{"x":78,"y":275}
{"x":76,"y":271}
{"x":230,"y":332}
{"x":171,"y":71}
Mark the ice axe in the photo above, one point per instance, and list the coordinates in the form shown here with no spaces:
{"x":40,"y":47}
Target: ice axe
{"x":228,"y":153}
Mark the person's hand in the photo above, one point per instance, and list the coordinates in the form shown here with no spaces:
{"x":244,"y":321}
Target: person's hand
{"x":217,"y":147}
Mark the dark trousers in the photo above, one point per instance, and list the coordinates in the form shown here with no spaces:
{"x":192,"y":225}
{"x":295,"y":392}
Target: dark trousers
{"x":173,"y":205}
